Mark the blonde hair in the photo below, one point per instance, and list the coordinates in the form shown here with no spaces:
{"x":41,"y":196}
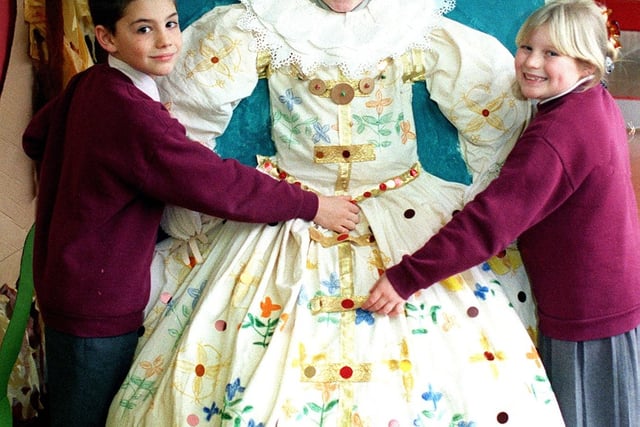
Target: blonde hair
{"x":578,"y":29}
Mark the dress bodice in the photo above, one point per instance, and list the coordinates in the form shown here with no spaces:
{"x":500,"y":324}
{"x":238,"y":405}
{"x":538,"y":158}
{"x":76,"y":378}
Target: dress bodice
{"x":342,"y":135}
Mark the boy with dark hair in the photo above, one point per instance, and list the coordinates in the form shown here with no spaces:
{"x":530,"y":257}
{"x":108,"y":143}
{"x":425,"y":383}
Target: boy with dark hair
{"x":109,"y":158}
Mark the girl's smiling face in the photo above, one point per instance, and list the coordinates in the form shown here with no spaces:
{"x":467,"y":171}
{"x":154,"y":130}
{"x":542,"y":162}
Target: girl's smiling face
{"x":542,"y":72}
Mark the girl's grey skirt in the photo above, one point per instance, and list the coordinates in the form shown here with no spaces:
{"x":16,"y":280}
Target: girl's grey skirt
{"x":597,"y":382}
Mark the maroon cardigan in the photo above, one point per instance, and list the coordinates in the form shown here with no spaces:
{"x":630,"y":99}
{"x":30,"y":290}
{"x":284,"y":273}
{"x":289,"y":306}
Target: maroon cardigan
{"x":109,"y":159}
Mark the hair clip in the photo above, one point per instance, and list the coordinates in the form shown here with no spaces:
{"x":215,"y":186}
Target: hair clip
{"x":608,"y":65}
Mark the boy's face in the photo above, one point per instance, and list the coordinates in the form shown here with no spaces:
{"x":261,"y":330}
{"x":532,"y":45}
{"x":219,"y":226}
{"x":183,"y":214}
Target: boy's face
{"x":147,"y":37}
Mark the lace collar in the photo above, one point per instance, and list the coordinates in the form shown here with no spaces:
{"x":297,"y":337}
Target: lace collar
{"x":298,"y":32}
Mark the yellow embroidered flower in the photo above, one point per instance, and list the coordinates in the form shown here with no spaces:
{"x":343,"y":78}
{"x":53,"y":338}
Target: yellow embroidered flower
{"x":488,"y":355}
{"x":201,"y":372}
{"x":213,"y":57}
{"x":486,"y":114}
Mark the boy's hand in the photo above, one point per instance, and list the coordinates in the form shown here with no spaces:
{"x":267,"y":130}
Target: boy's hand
{"x":337,"y":213}
{"x":383,"y":299}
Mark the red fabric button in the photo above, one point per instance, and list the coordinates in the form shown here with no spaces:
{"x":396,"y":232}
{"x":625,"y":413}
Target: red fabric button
{"x":346,"y":372}
{"x":200,"y":370}
{"x":347,"y":303}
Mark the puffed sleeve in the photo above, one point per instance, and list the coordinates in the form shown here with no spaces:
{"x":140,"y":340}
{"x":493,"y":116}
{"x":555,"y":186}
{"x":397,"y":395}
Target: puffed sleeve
{"x":216,"y":69}
{"x":470,"y":75}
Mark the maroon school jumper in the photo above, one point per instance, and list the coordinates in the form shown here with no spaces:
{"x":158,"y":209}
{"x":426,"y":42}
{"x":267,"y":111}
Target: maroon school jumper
{"x":110,"y":158}
{"x":565,"y":190}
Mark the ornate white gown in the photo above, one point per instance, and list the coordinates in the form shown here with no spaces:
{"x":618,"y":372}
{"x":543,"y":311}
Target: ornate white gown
{"x":260,"y":325}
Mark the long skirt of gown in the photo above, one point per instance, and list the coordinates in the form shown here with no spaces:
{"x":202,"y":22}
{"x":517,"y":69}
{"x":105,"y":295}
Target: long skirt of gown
{"x":267,"y":331}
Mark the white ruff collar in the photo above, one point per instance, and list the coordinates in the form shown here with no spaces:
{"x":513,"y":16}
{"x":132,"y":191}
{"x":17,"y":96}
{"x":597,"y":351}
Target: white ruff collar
{"x":299,"y":32}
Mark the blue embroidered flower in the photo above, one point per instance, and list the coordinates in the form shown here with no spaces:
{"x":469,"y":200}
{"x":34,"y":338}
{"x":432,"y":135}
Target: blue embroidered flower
{"x":481,"y":291}
{"x":233,"y":388}
{"x":333,"y":284}
{"x":196,"y":293}
{"x":214,"y":410}
{"x":320,"y":133}
{"x":253,"y":424}
{"x":303,"y":296}
{"x":364,"y":316}
{"x":289,"y":99}
{"x":432,"y":396}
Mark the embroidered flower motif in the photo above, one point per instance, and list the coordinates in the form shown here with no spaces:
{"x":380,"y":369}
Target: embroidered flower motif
{"x":289,"y":99}
{"x":432,"y":396}
{"x":232,"y":388}
{"x":406,"y":133}
{"x":320,"y":133}
{"x":379,"y":103}
{"x":213,"y":57}
{"x":489,"y":355}
{"x":206,"y":366}
{"x":267,"y":306}
{"x":152,"y":368}
{"x":481,"y":291}
{"x":364,"y":316}
{"x":485,"y":114}
{"x":332,"y":284}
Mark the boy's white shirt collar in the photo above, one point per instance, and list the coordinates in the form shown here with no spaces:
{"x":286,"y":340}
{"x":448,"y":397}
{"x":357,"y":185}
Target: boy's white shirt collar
{"x":142,"y":81}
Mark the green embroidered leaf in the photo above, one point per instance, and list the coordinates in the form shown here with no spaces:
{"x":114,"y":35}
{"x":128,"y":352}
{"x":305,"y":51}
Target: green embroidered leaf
{"x":331,"y":405}
{"x":434,"y":313}
{"x":370,"y":120}
{"x":387,"y":118}
{"x":314,"y":407}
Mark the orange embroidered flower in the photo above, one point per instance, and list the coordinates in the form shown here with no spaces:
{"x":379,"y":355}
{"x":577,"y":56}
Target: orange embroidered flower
{"x":267,"y":306}
{"x":379,"y":103}
{"x":407,"y":134}
{"x":152,"y":368}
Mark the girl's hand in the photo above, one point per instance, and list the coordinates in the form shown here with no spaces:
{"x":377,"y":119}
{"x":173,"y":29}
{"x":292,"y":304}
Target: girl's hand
{"x":383,"y":299}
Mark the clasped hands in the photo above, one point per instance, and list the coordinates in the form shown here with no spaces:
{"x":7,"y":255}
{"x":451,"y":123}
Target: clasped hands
{"x":340,"y":214}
